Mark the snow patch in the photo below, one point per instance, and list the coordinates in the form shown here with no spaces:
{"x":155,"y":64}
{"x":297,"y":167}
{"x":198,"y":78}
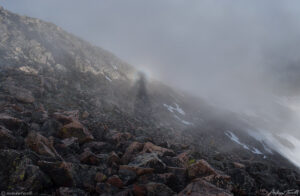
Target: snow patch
{"x":234,"y":138}
{"x":176,"y":108}
{"x":115,"y":67}
{"x":256,"y":151}
{"x":183,"y":121}
{"x":262,"y":139}
{"x":107,"y":78}
{"x":267,"y":148}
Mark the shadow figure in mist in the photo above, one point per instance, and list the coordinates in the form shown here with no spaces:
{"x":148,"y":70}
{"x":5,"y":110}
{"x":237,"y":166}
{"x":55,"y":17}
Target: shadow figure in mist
{"x":142,"y":104}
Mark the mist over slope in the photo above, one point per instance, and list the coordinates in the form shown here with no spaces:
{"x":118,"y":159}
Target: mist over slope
{"x":71,"y":110}
{"x":241,"y":56}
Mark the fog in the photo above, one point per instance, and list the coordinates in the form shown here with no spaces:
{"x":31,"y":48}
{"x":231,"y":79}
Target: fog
{"x":239,"y":55}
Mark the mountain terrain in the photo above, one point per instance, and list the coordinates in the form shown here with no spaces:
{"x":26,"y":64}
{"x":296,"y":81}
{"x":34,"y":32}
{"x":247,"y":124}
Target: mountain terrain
{"x":77,"y":120}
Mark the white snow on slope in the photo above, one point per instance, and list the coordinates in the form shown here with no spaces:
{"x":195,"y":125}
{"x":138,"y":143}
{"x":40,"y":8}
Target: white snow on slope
{"x":107,"y":78}
{"x":256,"y":151}
{"x":176,"y":108}
{"x":115,"y":67}
{"x":256,"y":135}
{"x":183,"y":121}
{"x":234,"y":138}
{"x":267,"y":148}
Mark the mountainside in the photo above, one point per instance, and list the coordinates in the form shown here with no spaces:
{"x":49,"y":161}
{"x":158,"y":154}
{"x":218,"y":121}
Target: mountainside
{"x":76,"y":120}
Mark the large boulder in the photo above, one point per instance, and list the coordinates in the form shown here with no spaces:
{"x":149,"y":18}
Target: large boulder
{"x":131,"y":151}
{"x":158,"y":189}
{"x":115,"y":181}
{"x":200,"y":169}
{"x":7,"y":140}
{"x":87,"y":157}
{"x":184,"y":159}
{"x":203,"y":188}
{"x":40,"y":144}
{"x":17,"y":126}
{"x":59,"y":172}
{"x":150,"y":148}
{"x":149,"y":160}
{"x":75,"y":129}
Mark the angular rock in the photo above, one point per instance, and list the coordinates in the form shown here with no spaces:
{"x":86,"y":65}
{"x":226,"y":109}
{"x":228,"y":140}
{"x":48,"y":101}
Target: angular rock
{"x":115,"y":181}
{"x":199,"y":169}
{"x":131,"y":151}
{"x":201,"y":187}
{"x":62,"y":118}
{"x":100,"y":177}
{"x":85,"y":115}
{"x":97,"y":147}
{"x":68,"y":142}
{"x":40,"y":144}
{"x":89,"y":158}
{"x":238,"y":165}
{"x":113,"y":158}
{"x":59,"y":172}
{"x":184,"y":159}
{"x":76,"y":129}
{"x":7,"y":140}
{"x":127,"y":176}
{"x":139,"y":190}
{"x":138,"y":170}
{"x":149,"y":160}
{"x":150,"y":148}
{"x":158,"y":189}
{"x":16,"y":125}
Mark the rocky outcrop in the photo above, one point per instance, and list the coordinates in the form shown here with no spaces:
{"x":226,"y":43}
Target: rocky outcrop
{"x":75,"y":129}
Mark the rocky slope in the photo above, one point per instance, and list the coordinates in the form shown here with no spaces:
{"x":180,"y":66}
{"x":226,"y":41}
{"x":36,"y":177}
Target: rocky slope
{"x":76,"y":120}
